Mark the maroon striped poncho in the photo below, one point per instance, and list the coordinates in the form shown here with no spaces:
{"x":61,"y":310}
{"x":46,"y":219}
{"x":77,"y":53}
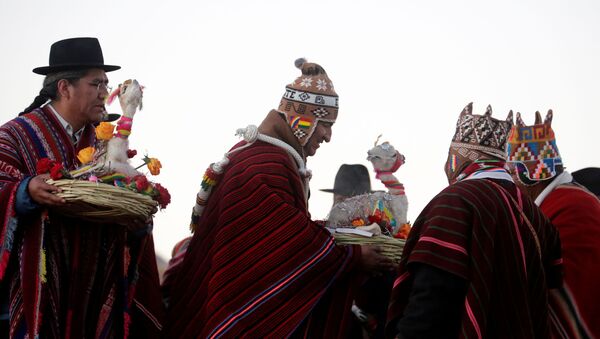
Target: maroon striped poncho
{"x":576,"y":214}
{"x":68,"y":278}
{"x":257,"y":266}
{"x":474,"y":230}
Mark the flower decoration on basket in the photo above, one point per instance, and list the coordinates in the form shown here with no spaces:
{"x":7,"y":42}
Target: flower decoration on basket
{"x":366,"y":219}
{"x":107,"y":163}
{"x":377,"y":217}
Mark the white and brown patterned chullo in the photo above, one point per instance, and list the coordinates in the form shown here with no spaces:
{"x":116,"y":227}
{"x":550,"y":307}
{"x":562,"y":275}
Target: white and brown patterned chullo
{"x":308,"y":100}
{"x":481,"y":133}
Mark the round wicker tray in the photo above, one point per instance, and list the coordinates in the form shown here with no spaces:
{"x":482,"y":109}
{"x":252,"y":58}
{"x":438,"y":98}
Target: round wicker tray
{"x":99,"y":202}
{"x":390,"y":247}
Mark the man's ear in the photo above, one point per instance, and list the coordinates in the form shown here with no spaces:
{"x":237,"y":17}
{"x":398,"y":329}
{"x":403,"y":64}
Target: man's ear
{"x":63,"y":89}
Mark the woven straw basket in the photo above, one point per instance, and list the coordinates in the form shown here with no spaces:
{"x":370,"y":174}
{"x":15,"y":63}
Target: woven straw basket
{"x":390,"y":247}
{"x":99,"y":202}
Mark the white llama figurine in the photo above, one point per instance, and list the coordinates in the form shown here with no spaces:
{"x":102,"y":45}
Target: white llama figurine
{"x":386,"y":160}
{"x":116,"y":160}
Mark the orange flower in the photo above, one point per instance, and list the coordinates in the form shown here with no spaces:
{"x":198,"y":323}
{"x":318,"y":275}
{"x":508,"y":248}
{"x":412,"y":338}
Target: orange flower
{"x":358,"y":222}
{"x":403,"y":231}
{"x":104,"y":131}
{"x":86,"y":155}
{"x":153,"y":165}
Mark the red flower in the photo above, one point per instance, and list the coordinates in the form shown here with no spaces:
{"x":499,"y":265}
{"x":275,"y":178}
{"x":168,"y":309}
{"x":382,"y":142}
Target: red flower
{"x":44,"y":165}
{"x":131,"y":153}
{"x":141,"y":182}
{"x":56,"y":172}
{"x":163,"y":198}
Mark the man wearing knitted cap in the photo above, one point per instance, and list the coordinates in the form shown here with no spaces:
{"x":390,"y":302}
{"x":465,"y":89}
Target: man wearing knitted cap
{"x":480,"y":256}
{"x":257,"y":266}
{"x":537,"y":168}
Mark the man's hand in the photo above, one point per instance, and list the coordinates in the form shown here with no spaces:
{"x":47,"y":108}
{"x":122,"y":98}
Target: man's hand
{"x":43,"y":193}
{"x":373,"y":261}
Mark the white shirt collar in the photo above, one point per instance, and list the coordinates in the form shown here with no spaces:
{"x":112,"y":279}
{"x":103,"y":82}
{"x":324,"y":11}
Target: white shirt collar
{"x":490,"y":175}
{"x":563,"y":178}
{"x":68,"y":128}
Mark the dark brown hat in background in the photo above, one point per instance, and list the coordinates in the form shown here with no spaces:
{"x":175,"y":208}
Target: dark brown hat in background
{"x":351,"y":180}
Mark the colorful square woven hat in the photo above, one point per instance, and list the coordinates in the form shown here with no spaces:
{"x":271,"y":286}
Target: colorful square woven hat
{"x":308,"y":100}
{"x":533,"y":151}
{"x":480,"y":133}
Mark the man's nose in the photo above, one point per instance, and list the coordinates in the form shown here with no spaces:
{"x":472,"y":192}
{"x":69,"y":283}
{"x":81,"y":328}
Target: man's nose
{"x":327,"y":136}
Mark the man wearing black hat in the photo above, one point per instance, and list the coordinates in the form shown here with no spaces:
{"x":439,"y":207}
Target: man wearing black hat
{"x":61,"y":276}
{"x":350,"y":180}
{"x":372,"y":298}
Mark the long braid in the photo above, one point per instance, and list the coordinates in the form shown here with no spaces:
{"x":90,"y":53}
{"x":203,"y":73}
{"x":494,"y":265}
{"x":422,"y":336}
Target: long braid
{"x":50,"y":87}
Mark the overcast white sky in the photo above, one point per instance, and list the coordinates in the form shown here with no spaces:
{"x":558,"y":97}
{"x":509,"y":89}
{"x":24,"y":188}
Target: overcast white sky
{"x":404,"y":69}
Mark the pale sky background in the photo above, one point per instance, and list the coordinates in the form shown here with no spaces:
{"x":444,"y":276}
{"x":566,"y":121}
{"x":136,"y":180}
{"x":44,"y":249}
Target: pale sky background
{"x":404,"y":69}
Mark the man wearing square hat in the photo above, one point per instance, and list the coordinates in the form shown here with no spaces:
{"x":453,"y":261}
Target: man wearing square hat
{"x":538,"y":169}
{"x":257,"y":266}
{"x":480,"y":257}
{"x":61,"y":276}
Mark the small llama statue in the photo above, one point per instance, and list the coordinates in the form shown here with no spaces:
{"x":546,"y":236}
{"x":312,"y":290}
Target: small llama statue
{"x":386,"y":160}
{"x":116,"y":159}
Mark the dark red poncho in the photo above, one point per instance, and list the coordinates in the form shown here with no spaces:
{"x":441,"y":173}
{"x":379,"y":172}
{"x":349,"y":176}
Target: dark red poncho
{"x":257,"y":266}
{"x":68,"y":278}
{"x":474,"y":230}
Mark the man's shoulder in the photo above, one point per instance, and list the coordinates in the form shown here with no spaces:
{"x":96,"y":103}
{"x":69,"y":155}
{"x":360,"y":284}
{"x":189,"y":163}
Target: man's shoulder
{"x":475,"y":192}
{"x":260,"y":151}
{"x":26,"y":118}
{"x":574,"y":196}
{"x":471,"y":185}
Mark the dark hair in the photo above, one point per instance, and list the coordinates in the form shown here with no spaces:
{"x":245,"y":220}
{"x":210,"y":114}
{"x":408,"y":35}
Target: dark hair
{"x":50,"y":87}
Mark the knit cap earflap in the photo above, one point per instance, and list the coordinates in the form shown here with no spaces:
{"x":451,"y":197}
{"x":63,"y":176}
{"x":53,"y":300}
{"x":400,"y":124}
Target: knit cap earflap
{"x":308,"y":100}
{"x":533,"y":150}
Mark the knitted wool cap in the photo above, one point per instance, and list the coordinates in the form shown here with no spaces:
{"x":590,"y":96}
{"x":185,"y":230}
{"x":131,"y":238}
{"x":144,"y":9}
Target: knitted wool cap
{"x":481,"y":133}
{"x":533,"y":150}
{"x":308,"y":100}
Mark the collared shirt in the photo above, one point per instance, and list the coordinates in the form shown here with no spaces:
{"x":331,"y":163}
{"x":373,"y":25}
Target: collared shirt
{"x":68,"y":128}
{"x":563,"y":178}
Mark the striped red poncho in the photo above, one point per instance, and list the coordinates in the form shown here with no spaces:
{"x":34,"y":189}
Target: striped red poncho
{"x":576,"y":214}
{"x":474,"y":230}
{"x":257,"y":266}
{"x":67,"y":278}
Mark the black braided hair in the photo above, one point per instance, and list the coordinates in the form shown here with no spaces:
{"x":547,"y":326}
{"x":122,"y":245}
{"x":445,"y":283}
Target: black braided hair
{"x":50,"y":87}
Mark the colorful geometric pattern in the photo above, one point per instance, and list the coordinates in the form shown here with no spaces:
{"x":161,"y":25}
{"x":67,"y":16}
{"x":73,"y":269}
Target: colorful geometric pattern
{"x":533,"y":150}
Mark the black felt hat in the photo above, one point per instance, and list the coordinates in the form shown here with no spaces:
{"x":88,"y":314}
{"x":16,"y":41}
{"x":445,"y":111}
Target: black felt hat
{"x":351,"y":180}
{"x":590,"y":178}
{"x":73,"y":54}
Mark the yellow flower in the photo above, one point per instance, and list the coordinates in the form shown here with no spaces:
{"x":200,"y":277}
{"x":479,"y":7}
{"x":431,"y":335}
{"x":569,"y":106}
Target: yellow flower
{"x":104,"y":131}
{"x":86,"y":155}
{"x":153,"y":165}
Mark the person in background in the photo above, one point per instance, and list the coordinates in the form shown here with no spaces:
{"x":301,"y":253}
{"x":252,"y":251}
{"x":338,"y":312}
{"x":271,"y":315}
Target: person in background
{"x":589,"y":178}
{"x":257,"y":265}
{"x":63,"y":277}
{"x":538,"y":169}
{"x":481,"y":256}
{"x":373,"y":295}
{"x":350,"y":180}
